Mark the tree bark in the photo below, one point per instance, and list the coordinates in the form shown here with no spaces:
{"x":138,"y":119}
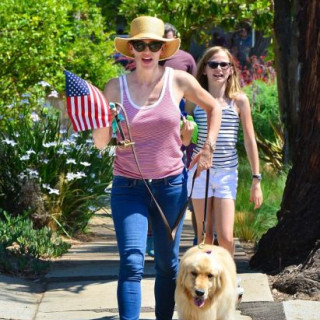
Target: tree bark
{"x":297,"y":54}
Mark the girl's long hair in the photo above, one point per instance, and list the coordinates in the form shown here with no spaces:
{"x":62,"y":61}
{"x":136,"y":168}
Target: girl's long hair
{"x":233,"y":86}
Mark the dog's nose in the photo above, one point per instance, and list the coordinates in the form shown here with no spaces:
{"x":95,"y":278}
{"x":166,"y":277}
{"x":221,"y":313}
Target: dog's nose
{"x":199,"y":292}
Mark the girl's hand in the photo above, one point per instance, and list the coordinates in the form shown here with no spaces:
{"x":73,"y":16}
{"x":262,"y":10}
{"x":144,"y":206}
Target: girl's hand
{"x":256,"y":194}
{"x":186,"y":131}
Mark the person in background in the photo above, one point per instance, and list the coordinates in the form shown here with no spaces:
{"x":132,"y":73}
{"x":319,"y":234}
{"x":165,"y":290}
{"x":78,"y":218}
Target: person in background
{"x":150,"y":96}
{"x":242,"y":45}
{"x":218,"y":75}
{"x":218,"y":40}
{"x":182,"y":60}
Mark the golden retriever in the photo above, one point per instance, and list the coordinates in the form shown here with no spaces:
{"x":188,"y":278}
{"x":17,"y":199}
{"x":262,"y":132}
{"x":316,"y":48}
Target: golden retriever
{"x":206,"y":286}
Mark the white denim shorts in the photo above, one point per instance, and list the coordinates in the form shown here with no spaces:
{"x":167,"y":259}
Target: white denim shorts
{"x":222,"y":183}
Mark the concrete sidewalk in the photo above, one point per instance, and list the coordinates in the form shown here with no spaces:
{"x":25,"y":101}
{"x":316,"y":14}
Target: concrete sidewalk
{"x":82,"y":285}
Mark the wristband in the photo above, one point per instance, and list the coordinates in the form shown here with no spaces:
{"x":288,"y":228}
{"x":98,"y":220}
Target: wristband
{"x":257,"y":176}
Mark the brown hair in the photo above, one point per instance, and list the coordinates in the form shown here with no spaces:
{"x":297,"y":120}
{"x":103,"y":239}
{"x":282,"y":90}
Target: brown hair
{"x":233,"y":85}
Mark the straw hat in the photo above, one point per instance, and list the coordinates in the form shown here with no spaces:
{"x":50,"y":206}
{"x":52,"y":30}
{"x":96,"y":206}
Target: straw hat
{"x":147,"y":28}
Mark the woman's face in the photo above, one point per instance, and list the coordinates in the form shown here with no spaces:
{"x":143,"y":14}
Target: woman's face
{"x":218,"y":67}
{"x":147,"y":51}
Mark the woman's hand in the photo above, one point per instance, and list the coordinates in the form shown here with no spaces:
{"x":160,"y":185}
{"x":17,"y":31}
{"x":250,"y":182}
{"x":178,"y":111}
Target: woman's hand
{"x":186,"y":131}
{"x":203,"y":160}
{"x":256,"y":194}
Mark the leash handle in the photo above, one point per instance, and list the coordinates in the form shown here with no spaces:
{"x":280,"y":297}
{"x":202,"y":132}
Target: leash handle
{"x":204,"y":231}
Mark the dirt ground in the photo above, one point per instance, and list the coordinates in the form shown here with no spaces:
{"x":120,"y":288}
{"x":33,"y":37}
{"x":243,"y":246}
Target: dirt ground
{"x":278,"y":296}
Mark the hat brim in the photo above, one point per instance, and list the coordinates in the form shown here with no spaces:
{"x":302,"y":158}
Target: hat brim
{"x":171,"y":45}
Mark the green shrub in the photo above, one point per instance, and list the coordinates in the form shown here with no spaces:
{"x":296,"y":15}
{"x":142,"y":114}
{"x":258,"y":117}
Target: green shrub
{"x":264,"y":103}
{"x":251,"y":224}
{"x":24,"y":249}
{"x":56,"y":177}
{"x":266,"y":120}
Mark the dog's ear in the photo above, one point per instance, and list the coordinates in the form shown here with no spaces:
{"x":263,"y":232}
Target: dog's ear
{"x":220,"y":280}
{"x":182,"y":275}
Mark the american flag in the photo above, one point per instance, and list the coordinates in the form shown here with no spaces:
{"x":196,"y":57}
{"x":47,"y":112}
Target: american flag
{"x":87,"y":107}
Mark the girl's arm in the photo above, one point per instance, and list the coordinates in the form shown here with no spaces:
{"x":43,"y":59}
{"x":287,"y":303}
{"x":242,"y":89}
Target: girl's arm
{"x":250,"y":143}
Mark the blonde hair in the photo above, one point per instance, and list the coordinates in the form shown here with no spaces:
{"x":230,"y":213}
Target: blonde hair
{"x":233,"y":86}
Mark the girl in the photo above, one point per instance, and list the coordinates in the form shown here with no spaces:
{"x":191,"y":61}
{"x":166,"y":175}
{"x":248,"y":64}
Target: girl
{"x":218,"y":75}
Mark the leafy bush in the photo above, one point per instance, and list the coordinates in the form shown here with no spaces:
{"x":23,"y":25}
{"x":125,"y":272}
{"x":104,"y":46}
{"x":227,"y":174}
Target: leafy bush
{"x":251,"y":224}
{"x":56,"y":177}
{"x":24,"y":249}
{"x":40,"y":38}
{"x":264,"y":103}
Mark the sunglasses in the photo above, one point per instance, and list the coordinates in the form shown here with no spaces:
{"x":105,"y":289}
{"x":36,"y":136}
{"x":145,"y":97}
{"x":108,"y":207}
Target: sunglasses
{"x":215,"y":65}
{"x":140,"y":46}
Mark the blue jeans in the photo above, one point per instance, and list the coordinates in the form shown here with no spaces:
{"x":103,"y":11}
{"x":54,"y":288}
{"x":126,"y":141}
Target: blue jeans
{"x":131,"y":205}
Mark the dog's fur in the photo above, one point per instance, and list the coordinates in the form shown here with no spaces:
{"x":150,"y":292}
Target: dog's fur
{"x":206,"y":285}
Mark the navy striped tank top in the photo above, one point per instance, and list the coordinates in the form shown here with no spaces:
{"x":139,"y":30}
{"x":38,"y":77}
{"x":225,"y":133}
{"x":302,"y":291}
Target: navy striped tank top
{"x":225,"y":154}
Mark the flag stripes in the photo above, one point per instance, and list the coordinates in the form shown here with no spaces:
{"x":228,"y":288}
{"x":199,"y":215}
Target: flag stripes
{"x":87,"y":107}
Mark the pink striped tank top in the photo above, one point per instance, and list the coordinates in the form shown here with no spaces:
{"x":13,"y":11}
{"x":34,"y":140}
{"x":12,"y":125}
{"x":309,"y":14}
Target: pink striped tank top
{"x":156,"y":132}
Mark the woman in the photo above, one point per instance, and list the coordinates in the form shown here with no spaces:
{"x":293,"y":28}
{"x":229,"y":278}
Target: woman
{"x":218,"y":75}
{"x":151,"y":96}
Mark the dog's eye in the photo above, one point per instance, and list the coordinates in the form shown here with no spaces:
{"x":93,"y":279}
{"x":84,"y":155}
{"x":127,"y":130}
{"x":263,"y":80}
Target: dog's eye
{"x":210,"y":276}
{"x":194,"y":273}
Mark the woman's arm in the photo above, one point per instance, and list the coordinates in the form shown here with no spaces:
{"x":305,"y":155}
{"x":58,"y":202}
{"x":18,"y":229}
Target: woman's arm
{"x":186,"y":85}
{"x":102,"y":136}
{"x":250,"y":143}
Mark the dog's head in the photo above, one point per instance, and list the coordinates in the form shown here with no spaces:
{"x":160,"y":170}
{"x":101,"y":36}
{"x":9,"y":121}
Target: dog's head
{"x":201,"y":277}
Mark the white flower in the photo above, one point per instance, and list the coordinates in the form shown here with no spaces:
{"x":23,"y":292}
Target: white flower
{"x":49,"y":144}
{"x":54,"y":191}
{"x":30,"y":151}
{"x":92,"y":208}
{"x":92,"y":175}
{"x":89,"y":141}
{"x":86,"y":164}
{"x":44,"y":84}
{"x":81,"y":174}
{"x":63,"y":130}
{"x":66,"y":143}
{"x":45,"y":186}
{"x":70,"y":176}
{"x":24,"y":101}
{"x":45,"y":160}
{"x":26,"y":95}
{"x":33,"y":173}
{"x":71,"y":161}
{"x":16,"y":134}
{"x":34,"y":117}
{"x":25,"y":157}
{"x":75,"y":135}
{"x":22,"y":175}
{"x":10,"y":142}
{"x":53,"y":94}
{"x":61,"y":151}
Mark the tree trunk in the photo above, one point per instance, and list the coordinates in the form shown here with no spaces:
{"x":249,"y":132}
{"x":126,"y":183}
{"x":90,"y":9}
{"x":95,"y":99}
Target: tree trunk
{"x":297,"y":40}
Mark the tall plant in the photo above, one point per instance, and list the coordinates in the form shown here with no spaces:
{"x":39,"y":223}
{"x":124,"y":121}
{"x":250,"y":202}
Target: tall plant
{"x":57,"y":177}
{"x":39,"y":38}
